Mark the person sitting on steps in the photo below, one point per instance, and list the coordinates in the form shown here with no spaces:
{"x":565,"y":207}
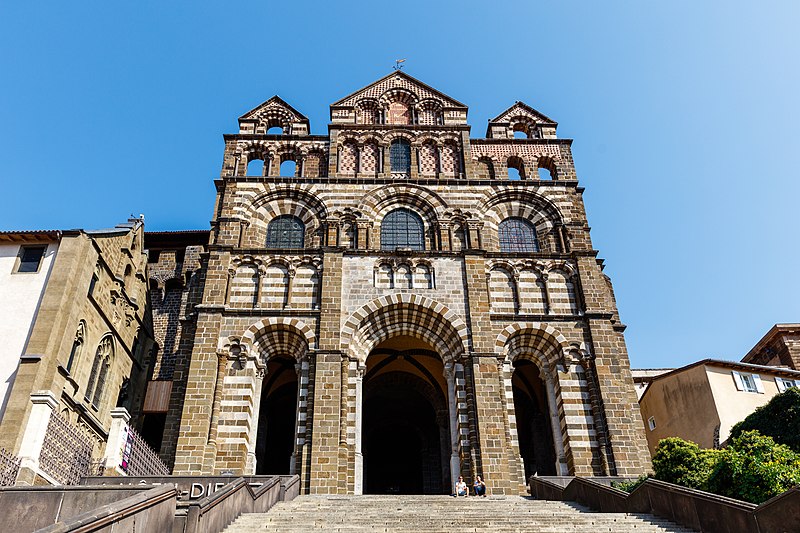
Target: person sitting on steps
{"x":479,"y":486}
{"x":461,"y":487}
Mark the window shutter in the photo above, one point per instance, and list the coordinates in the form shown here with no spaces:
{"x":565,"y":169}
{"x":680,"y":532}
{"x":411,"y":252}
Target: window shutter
{"x":759,"y":385}
{"x":737,"y":378}
{"x":781,"y":384}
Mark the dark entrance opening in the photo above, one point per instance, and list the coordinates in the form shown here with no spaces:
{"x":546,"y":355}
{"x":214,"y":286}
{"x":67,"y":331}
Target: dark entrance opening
{"x":276,"y":418}
{"x":533,"y":420}
{"x":405,"y":427}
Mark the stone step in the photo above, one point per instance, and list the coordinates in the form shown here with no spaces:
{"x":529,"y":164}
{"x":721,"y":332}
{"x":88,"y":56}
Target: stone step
{"x":431,"y":514}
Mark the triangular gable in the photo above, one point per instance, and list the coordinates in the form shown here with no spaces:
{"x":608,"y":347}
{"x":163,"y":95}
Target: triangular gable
{"x":401,"y":80}
{"x":274,"y":102}
{"x":521,"y":108}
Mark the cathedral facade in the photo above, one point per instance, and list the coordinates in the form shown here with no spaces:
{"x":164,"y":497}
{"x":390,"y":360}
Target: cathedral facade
{"x":392,"y":305}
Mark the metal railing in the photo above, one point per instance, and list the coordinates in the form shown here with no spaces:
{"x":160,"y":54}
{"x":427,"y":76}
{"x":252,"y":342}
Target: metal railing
{"x":9,"y":467}
{"x":142,"y":460}
{"x":66,"y":453}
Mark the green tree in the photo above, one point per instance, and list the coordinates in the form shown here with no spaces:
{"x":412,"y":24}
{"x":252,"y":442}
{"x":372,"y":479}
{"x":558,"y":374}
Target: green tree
{"x":754,"y":468}
{"x":683,"y":462}
{"x":779,"y":418}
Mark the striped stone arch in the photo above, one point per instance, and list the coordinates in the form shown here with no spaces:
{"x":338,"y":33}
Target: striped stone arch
{"x":279,"y":336}
{"x":391,"y":135}
{"x":379,"y":200}
{"x":405,"y":314}
{"x":296,"y":200}
{"x":398,"y":94}
{"x":500,"y":205}
{"x":541,"y":343}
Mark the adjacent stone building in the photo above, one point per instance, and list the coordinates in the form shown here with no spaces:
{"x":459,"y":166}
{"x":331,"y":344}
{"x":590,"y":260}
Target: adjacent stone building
{"x":76,"y":339}
{"x":391,"y":305}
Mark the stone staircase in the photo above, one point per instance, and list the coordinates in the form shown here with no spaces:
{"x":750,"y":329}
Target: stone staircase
{"x":445,"y":514}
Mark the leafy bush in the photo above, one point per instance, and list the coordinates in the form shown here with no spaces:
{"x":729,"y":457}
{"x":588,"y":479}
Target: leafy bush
{"x":684,"y":463}
{"x":628,"y":486}
{"x":779,"y":418}
{"x":754,"y":468}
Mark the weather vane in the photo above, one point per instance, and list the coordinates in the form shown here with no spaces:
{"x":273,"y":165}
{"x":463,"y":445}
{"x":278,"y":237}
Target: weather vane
{"x":398,"y":64}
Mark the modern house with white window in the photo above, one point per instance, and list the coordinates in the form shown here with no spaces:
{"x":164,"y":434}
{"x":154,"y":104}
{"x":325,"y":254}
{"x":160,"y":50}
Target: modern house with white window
{"x":702,"y":401}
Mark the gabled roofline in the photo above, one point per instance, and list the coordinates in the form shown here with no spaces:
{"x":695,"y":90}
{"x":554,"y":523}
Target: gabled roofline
{"x":279,"y":100}
{"x":338,"y":103}
{"x":780,"y":371}
{"x":774,"y":331}
{"x":550,"y":121}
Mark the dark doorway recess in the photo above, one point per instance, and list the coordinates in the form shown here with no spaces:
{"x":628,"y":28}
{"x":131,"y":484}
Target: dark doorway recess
{"x":277,"y":418}
{"x":406,"y":442}
{"x":533,"y":420}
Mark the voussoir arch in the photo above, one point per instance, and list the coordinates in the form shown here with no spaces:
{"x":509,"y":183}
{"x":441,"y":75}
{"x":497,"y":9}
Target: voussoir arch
{"x":431,"y":204}
{"x":386,"y":317}
{"x":544,"y":344}
{"x":286,"y":323}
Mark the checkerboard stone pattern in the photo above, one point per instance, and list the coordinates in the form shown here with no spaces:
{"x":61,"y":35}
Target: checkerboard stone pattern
{"x":480,"y":308}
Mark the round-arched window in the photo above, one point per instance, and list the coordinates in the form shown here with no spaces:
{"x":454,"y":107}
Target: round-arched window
{"x":402,"y":228}
{"x":518,"y":235}
{"x":286,"y":231}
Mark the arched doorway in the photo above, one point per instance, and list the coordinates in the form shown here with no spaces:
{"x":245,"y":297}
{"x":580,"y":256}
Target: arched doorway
{"x":406,"y":437}
{"x":532,"y":412}
{"x":277,"y":417}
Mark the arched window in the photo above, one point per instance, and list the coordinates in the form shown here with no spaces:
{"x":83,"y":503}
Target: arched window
{"x":97,"y":379}
{"x":286,"y":231}
{"x":255,"y":167}
{"x":400,"y":155}
{"x":402,"y":228}
{"x":288,"y":168}
{"x":518,"y":235}
{"x":516,"y":168}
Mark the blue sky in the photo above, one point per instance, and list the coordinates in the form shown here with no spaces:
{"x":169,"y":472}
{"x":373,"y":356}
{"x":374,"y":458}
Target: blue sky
{"x":684,"y":114}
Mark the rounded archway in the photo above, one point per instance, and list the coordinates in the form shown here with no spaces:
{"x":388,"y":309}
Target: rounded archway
{"x":276,"y":418}
{"x":406,"y":437}
{"x":533,"y":420}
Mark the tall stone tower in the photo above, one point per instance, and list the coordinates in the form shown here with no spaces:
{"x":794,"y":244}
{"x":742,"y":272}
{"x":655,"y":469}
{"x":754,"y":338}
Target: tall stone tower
{"x":394,"y":304}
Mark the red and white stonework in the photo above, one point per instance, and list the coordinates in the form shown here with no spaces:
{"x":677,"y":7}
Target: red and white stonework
{"x":404,"y":337}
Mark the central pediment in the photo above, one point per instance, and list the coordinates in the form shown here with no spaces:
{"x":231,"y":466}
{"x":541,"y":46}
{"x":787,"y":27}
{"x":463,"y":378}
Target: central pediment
{"x":399,"y":82}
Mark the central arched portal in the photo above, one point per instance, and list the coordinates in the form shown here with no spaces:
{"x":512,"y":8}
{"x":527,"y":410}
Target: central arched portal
{"x":405,"y":426}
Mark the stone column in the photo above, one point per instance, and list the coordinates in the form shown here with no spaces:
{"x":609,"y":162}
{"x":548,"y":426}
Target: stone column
{"x":474,"y":234}
{"x":359,"y":458}
{"x":252,"y":461}
{"x":332,"y":233}
{"x":243,"y":224}
{"x":444,"y":236}
{"x":555,"y":424}
{"x":289,"y":286}
{"x":301,"y":368}
{"x":547,"y":306}
{"x":210,"y":455}
{"x":455,"y":462}
{"x":364,"y":230}
{"x":44,"y":402}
